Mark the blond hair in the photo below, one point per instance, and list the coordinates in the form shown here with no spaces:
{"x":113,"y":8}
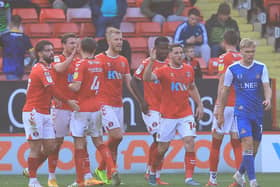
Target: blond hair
{"x":112,"y":30}
{"x":246,"y":42}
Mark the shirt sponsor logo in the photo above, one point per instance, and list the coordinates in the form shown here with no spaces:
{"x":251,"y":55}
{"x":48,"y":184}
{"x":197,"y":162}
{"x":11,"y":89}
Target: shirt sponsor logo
{"x":56,"y":59}
{"x":248,"y":85}
{"x":95,"y":69}
{"x":114,"y":75}
{"x":178,"y":86}
{"x":76,"y":74}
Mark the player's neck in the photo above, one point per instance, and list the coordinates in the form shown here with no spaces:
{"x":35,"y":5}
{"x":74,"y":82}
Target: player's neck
{"x":87,"y":56}
{"x":64,"y":53}
{"x":231,"y":49}
{"x":175,"y":65}
{"x":246,"y":62}
{"x":43,"y":62}
{"x":111,"y":53}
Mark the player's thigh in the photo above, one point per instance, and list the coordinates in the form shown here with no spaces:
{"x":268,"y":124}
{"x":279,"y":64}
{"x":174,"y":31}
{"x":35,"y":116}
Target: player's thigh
{"x":151,"y":120}
{"x":78,"y":123}
{"x":186,"y":126}
{"x":112,"y":117}
{"x":230,"y":124}
{"x":167,"y":130}
{"x":48,"y":128}
{"x":244,"y":126}
{"x":33,"y":125}
{"x":95,"y":125}
{"x":61,"y":120}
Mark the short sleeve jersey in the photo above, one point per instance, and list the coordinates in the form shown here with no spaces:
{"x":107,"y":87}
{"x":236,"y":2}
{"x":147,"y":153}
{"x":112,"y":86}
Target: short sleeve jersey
{"x":62,"y":79}
{"x":174,"y":96}
{"x":248,"y":84}
{"x":90,"y":73}
{"x":37,"y":96}
{"x":115,"y":68}
{"x":226,"y":60}
{"x":152,"y":90}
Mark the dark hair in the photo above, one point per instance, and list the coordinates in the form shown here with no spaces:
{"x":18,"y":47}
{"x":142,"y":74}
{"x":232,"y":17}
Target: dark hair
{"x":40,"y":46}
{"x":224,"y":9}
{"x":231,"y":37}
{"x":194,"y":11}
{"x":173,"y":46}
{"x":161,"y":39}
{"x":16,"y":20}
{"x":188,"y":46}
{"x":65,"y":37}
{"x":88,"y":45}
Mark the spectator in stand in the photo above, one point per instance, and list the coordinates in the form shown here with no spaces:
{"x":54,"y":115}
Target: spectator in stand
{"x":5,"y":15}
{"x":102,"y":46}
{"x":190,"y":59}
{"x":217,"y":25}
{"x":64,"y":4}
{"x":191,"y":32}
{"x":107,"y":13}
{"x":24,"y":4}
{"x":161,"y":11}
{"x":15,"y":45}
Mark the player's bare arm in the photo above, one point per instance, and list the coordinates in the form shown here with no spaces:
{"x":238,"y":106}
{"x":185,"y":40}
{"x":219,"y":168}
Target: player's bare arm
{"x":75,"y":86}
{"x":61,"y":67}
{"x":193,"y":92}
{"x":223,"y":101}
{"x":220,"y":87}
{"x":135,"y":84}
{"x":267,"y":96}
{"x":148,"y":75}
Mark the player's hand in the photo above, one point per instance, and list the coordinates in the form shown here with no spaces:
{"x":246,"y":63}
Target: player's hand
{"x":220,"y":119}
{"x":144,"y":107}
{"x":216,"y":111}
{"x":74,"y":105}
{"x":191,"y":40}
{"x":198,"y":39}
{"x":153,"y":54}
{"x":267,"y":104}
{"x":199,"y":112}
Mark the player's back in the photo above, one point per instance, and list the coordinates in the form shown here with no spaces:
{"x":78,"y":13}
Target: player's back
{"x":225,"y":60}
{"x":90,"y":73}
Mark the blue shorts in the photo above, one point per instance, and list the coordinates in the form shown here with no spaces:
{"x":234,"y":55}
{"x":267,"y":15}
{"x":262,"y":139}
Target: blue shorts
{"x":249,"y":127}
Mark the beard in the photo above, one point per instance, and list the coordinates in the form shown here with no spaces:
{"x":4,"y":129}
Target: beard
{"x":48,"y":59}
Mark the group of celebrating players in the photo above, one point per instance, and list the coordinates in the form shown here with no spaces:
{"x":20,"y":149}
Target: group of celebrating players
{"x":81,"y":93}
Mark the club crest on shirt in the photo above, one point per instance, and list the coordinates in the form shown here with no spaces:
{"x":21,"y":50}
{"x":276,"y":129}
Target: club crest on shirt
{"x":221,"y":67}
{"x":139,"y":69}
{"x":123,"y":64}
{"x":75,"y":76}
{"x":109,"y":64}
{"x":240,"y":107}
{"x":258,"y":76}
{"x":239,"y":76}
{"x":188,"y":74}
{"x":172,"y":75}
{"x":243,"y":131}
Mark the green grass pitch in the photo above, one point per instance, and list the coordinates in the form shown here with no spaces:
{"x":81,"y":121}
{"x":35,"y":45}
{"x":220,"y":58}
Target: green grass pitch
{"x":137,"y":180}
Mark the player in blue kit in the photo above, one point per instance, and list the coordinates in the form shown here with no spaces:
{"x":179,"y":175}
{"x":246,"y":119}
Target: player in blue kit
{"x":250,"y":80}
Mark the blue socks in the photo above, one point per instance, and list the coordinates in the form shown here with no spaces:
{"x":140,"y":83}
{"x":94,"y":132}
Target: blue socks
{"x":248,"y":164}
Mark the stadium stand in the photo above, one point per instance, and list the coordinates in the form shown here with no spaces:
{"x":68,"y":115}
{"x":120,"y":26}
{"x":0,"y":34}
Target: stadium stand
{"x":38,"y":30}
{"x":148,"y":29}
{"x":61,"y":28}
{"x":42,"y":3}
{"x":51,"y":15}
{"x":78,"y":15}
{"x":128,"y":29}
{"x":28,"y":15}
{"x":87,"y":29}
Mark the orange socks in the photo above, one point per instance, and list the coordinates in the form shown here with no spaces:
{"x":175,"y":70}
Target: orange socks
{"x":215,"y":153}
{"x":189,"y":164}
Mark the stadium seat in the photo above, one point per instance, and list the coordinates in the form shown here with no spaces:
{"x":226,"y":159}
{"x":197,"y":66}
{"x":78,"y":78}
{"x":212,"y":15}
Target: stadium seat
{"x":38,"y":30}
{"x":87,"y":29}
{"x":61,"y":28}
{"x":148,"y":29}
{"x":128,"y":29}
{"x":139,"y":3}
{"x":78,"y":15}
{"x":138,"y":44}
{"x":132,"y":3}
{"x":169,"y":28}
{"x":213,"y":64}
{"x":1,"y":63}
{"x":274,"y":14}
{"x":202,"y":64}
{"x":42,"y":3}
{"x":51,"y":15}
{"x":28,"y":15}
{"x":133,"y":14}
{"x":55,"y":41}
{"x":136,"y":59}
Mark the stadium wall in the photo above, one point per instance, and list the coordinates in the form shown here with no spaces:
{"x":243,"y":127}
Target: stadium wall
{"x":133,"y":154}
